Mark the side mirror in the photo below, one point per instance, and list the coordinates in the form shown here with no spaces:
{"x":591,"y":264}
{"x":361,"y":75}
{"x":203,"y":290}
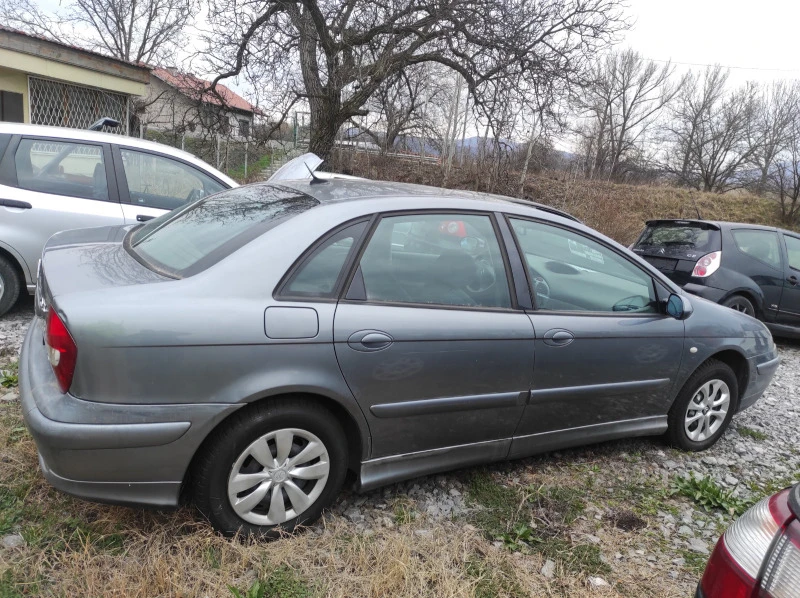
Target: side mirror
{"x":678,"y":307}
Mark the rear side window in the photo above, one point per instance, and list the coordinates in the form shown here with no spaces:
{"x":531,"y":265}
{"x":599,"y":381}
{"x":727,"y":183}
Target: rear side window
{"x":793,"y":248}
{"x":680,"y":238}
{"x":61,"y":168}
{"x":759,"y":244}
{"x":159,"y":182}
{"x":320,"y":272}
{"x":187,"y":241}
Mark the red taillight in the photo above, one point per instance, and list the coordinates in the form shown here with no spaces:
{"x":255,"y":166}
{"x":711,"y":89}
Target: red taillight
{"x":739,"y":555}
{"x":61,"y":350}
{"x":707,"y":265}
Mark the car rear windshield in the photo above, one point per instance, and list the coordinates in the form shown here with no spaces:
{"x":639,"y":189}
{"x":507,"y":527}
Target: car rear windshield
{"x":680,"y":237}
{"x":191,"y":239}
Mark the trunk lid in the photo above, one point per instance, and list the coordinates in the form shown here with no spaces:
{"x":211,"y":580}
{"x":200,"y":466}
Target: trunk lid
{"x":88,"y":259}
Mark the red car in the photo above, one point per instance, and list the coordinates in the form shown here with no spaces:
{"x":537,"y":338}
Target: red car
{"x":759,"y":555}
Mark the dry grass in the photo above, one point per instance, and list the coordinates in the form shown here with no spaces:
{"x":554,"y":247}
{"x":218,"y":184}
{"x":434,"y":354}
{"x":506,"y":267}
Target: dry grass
{"x":76,"y":548}
{"x":617,"y":210}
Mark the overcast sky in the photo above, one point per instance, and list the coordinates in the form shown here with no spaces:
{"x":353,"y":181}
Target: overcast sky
{"x":760,"y":35}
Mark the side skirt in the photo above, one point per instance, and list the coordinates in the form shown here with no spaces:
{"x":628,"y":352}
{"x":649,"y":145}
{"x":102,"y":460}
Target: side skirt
{"x":395,"y":468}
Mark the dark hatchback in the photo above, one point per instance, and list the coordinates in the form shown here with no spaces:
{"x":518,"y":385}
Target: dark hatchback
{"x":753,"y":269}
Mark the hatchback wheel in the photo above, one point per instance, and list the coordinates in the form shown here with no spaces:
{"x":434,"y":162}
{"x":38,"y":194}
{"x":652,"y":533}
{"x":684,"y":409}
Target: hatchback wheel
{"x":740,"y":304}
{"x":9,"y":285}
{"x":271,"y":468}
{"x":704,"y":407}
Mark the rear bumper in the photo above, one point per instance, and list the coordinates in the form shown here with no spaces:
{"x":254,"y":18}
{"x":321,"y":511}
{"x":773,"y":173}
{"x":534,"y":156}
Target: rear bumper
{"x":129,"y":454}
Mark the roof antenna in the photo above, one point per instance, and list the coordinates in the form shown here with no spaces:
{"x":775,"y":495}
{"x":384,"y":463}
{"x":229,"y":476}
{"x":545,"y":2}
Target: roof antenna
{"x":314,"y":178}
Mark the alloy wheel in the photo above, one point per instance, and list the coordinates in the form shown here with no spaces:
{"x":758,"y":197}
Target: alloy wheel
{"x":278,"y":476}
{"x":742,"y":307}
{"x":707,"y":410}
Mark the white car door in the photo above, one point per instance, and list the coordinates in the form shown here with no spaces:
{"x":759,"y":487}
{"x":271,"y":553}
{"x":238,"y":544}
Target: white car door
{"x":151,"y":184}
{"x":52,"y":185}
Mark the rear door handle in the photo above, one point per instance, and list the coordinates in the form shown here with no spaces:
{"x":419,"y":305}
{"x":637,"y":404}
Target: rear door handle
{"x":792,"y":280}
{"x":369,"y":340}
{"x":14,"y":203}
{"x":558,"y":337}
{"x":143,"y":218}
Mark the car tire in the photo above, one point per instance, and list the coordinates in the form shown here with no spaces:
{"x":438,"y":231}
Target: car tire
{"x":9,"y":285}
{"x":219,"y":477}
{"x":696,"y":420}
{"x":741,"y":304}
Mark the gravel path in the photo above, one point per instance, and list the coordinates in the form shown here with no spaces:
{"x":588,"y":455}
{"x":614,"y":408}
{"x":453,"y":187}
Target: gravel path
{"x":759,"y":454}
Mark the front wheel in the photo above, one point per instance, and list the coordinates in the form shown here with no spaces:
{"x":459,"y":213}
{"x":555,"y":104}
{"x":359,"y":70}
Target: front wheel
{"x":704,"y":407}
{"x":270,"y":468}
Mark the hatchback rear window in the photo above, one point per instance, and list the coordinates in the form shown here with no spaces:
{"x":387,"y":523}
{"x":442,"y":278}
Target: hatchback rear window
{"x":191,"y":239}
{"x":680,"y":237}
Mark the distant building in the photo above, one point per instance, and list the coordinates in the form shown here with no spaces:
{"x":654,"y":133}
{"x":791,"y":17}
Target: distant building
{"x":182,"y":103}
{"x":44,"y":82}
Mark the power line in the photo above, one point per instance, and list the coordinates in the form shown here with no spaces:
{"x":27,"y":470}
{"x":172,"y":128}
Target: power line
{"x":739,"y":68}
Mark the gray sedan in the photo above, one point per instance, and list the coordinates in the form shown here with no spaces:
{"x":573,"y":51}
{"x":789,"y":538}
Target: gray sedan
{"x":254,"y":346}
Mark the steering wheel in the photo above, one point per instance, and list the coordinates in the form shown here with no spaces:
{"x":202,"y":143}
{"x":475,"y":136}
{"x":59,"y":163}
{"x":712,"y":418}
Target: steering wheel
{"x":194,"y":195}
{"x":485,"y":276}
{"x":633,"y":303}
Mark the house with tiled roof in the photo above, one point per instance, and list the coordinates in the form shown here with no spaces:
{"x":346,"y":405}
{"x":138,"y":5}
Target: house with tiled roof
{"x":185,"y":104}
{"x":46,"y":82}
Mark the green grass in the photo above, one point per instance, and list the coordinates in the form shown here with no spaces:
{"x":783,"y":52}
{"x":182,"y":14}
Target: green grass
{"x":282,"y":582}
{"x":751,"y":433}
{"x":9,"y":377}
{"x":708,"y":494}
{"x":534,"y":519}
{"x":252,"y":167}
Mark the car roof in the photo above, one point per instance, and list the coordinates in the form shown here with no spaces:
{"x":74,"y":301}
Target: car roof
{"x":338,"y":190}
{"x":719,"y":224}
{"x":100,"y":137}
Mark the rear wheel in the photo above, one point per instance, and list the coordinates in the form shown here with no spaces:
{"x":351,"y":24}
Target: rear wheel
{"x":704,"y":407}
{"x":271,"y":468}
{"x":740,"y":304}
{"x":10,"y":284}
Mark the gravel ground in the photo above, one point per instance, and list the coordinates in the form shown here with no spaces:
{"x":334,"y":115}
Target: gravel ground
{"x":669,"y":539}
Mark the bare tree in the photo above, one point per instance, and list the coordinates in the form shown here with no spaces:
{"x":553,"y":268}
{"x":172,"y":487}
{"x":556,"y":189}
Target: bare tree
{"x":146,"y":31}
{"x":336,"y":53}
{"x":624,"y":97}
{"x":784,"y":175}
{"x":772,"y":126}
{"x":709,"y":132}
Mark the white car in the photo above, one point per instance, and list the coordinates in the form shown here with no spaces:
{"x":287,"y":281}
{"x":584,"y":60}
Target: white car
{"x":54,"y":179}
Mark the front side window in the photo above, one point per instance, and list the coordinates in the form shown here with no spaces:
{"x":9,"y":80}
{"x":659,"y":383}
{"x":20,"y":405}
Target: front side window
{"x":186,"y":241}
{"x":435,"y":259}
{"x":759,"y":244}
{"x":160,"y":182}
{"x":62,"y":168}
{"x":570,"y":272}
{"x":318,"y":275}
{"x":793,"y":249}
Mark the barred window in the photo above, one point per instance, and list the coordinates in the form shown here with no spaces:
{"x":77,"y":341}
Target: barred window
{"x":64,"y":105}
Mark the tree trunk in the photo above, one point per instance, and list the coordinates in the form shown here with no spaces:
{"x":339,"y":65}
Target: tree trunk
{"x":323,"y":127}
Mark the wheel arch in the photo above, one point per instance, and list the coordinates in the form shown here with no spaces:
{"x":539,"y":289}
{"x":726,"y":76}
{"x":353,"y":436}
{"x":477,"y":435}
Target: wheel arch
{"x":14,"y":260}
{"x":358,"y":440}
{"x":757,"y":299}
{"x":735,"y":360}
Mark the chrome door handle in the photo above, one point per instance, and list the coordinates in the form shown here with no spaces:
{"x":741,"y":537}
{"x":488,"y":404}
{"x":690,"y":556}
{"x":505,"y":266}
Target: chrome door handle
{"x":369,"y":340}
{"x":558,"y":337}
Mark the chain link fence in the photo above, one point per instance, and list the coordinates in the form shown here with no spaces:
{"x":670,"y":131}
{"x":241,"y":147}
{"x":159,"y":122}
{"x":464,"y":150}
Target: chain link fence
{"x":64,"y":105}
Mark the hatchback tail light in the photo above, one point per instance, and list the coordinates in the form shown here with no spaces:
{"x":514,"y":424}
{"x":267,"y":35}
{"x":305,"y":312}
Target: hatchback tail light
{"x":734,"y":566}
{"x":707,"y":265}
{"x":61,"y":350}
